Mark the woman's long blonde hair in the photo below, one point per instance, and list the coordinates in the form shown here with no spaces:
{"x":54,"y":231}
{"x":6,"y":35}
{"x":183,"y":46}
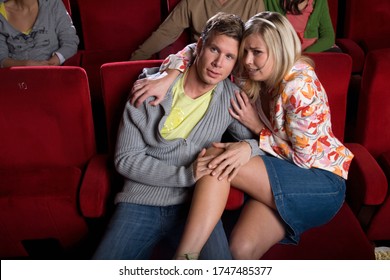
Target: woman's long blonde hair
{"x":282,"y":44}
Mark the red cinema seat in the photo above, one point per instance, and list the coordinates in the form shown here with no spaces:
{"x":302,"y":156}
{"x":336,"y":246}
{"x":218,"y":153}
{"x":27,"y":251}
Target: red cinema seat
{"x":51,"y":179}
{"x":374,"y":104}
{"x":372,"y":130}
{"x":112,"y":30}
{"x":366,"y":25}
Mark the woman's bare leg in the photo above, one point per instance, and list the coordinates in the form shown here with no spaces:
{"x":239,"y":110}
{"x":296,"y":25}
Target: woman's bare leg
{"x":258,"y":229}
{"x":209,"y":200}
{"x":259,"y":226}
{"x":208,"y":203}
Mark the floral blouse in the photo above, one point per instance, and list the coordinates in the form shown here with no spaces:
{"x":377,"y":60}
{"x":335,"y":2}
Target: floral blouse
{"x":299,"y":129}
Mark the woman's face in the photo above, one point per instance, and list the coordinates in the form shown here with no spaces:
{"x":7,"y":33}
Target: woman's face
{"x":258,"y":64}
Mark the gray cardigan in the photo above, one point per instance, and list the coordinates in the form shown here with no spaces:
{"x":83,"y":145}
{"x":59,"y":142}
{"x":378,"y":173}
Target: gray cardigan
{"x":159,"y":172}
{"x":52,"y":32}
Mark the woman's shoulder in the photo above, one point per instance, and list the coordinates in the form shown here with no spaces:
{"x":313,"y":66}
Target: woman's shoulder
{"x":301,"y":68}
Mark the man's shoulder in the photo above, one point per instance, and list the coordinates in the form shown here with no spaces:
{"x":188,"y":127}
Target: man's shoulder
{"x":229,"y":86}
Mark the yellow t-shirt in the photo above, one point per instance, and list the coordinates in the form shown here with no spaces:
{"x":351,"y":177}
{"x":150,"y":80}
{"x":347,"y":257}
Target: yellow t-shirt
{"x":186,"y":112}
{"x":2,"y":10}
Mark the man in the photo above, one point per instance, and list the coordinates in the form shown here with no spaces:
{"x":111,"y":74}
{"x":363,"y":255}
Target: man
{"x":157,"y":147}
{"x":192,"y":15}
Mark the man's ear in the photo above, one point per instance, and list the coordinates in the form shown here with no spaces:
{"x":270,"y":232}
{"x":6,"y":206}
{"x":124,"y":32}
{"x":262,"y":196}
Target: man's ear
{"x":199,"y":46}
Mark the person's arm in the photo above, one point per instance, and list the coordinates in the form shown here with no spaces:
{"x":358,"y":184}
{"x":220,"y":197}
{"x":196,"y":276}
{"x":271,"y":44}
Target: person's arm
{"x":6,"y":61}
{"x":273,"y":6}
{"x":167,"y":33}
{"x":132,"y":160}
{"x":326,"y":35}
{"x":66,"y":33}
{"x":173,"y":65}
{"x":4,"y":53}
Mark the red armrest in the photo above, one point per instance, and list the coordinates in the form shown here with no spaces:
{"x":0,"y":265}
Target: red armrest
{"x":366,"y":184}
{"x":95,"y":187}
{"x":74,"y":60}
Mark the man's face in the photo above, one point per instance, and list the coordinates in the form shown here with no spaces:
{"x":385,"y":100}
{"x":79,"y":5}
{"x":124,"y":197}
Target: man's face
{"x":216,"y":59}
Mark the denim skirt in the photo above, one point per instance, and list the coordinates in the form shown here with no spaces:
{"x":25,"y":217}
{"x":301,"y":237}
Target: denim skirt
{"x":305,"y":198}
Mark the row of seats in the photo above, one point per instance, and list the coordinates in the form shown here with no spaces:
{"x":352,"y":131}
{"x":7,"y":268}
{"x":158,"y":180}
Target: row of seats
{"x":123,"y":25}
{"x":55,"y":187}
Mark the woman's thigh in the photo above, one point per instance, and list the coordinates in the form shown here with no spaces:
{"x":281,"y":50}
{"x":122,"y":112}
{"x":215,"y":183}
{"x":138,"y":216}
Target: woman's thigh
{"x":252,"y":179}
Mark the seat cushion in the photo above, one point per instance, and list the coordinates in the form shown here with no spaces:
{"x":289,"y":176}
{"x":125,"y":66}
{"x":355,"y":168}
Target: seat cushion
{"x":39,"y":181}
{"x":39,"y":204}
{"x":341,"y":238}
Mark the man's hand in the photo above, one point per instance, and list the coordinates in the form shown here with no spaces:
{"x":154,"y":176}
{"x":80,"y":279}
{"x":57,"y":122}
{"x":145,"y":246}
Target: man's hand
{"x":200,"y":165}
{"x":230,"y":161}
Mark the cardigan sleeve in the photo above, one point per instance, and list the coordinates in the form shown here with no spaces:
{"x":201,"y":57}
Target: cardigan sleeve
{"x":323,"y":28}
{"x":66,"y":32}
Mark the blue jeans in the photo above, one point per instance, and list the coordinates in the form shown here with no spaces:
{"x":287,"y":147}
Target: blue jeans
{"x":135,"y":230}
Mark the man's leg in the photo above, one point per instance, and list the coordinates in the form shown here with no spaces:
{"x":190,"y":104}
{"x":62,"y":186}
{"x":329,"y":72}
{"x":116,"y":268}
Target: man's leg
{"x":132,"y":233}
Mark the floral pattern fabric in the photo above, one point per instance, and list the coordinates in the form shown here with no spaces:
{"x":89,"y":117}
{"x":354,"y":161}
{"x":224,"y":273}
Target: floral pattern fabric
{"x":300,"y":124}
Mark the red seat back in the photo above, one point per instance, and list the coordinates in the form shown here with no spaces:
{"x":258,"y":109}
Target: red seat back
{"x":334,"y":11}
{"x":373,"y":117}
{"x":336,"y":85}
{"x":46,"y":117}
{"x":111,"y":31}
{"x":367,"y":23}
{"x":117,"y":81}
{"x":116,"y":25}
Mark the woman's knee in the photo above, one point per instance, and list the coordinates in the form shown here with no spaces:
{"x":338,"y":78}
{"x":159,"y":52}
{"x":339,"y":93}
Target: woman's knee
{"x":243,"y":249}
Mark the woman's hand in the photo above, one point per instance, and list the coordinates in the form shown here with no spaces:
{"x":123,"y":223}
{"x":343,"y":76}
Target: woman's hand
{"x":246,"y":113}
{"x":144,"y":88}
{"x":200,"y":165}
{"x":229,"y":162}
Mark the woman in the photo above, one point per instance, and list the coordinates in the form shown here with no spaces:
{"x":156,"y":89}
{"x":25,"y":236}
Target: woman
{"x":311,"y":20}
{"x":300,"y":182}
{"x":35,"y":32}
